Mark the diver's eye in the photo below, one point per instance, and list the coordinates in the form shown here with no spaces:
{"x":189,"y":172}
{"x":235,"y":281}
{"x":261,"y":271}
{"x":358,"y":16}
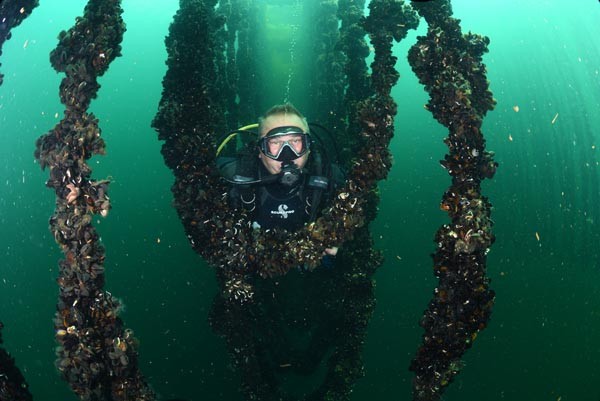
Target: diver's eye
{"x":275,"y":144}
{"x":296,"y":143}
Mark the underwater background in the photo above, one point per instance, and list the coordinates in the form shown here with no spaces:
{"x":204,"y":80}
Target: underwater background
{"x":545,"y":265}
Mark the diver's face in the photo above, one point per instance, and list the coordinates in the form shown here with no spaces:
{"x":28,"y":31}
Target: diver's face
{"x":281,"y":120}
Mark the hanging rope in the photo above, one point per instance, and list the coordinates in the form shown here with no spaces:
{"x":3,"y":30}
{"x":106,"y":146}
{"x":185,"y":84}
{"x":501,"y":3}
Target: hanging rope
{"x":248,"y":76}
{"x":97,"y":355}
{"x":346,"y":294}
{"x":355,"y":48}
{"x":327,"y":79}
{"x":450,"y":66}
{"x":187,"y":120}
{"x":12,"y":13}
{"x":13,"y":386}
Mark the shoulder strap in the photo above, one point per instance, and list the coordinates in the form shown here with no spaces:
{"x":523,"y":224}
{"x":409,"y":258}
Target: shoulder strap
{"x":245,"y":195}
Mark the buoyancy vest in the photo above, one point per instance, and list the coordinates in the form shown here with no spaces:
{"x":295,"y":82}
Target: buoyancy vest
{"x":275,"y":205}
{"x":281,"y":207}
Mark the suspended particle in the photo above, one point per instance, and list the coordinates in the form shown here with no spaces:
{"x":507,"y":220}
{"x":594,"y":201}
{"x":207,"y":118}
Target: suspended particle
{"x":510,"y":138}
{"x":537,"y":236}
{"x":516,"y":108}
{"x":555,"y":117}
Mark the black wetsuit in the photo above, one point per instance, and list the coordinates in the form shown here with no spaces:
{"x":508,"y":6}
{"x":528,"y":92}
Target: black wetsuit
{"x":275,"y":205}
{"x":281,"y":206}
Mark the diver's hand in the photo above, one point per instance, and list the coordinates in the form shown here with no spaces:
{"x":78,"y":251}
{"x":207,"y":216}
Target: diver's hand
{"x":331,"y":251}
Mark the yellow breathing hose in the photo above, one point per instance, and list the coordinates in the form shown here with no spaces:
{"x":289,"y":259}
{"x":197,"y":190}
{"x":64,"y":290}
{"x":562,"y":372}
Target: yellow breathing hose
{"x":233,"y":134}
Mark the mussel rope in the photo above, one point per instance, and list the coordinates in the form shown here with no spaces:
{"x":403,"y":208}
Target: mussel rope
{"x":12,"y":13}
{"x":224,"y":236}
{"x":13,"y":386}
{"x":97,"y":355}
{"x":450,"y":66}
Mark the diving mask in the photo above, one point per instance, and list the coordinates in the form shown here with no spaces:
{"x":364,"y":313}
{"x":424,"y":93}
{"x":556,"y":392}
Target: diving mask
{"x":285,"y":143}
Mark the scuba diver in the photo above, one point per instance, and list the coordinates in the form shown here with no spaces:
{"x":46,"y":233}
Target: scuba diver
{"x":282,"y":180}
{"x":284,"y":175}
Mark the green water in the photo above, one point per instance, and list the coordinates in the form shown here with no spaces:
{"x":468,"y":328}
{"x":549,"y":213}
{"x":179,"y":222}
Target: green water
{"x":541,"y":343}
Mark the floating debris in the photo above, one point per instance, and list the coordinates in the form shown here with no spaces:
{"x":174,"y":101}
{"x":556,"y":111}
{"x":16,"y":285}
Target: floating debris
{"x":554,"y":118}
{"x":516,"y":108}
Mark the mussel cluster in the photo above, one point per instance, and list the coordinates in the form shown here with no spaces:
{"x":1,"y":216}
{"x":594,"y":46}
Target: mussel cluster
{"x":355,"y":49}
{"x":450,"y":66}
{"x":354,"y":311}
{"x":13,"y":386}
{"x":383,"y":25}
{"x":248,"y":74}
{"x":254,"y":331}
{"x":188,"y":119}
{"x":231,"y":10}
{"x":12,"y":13}
{"x":327,"y":80}
{"x":97,"y":355}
